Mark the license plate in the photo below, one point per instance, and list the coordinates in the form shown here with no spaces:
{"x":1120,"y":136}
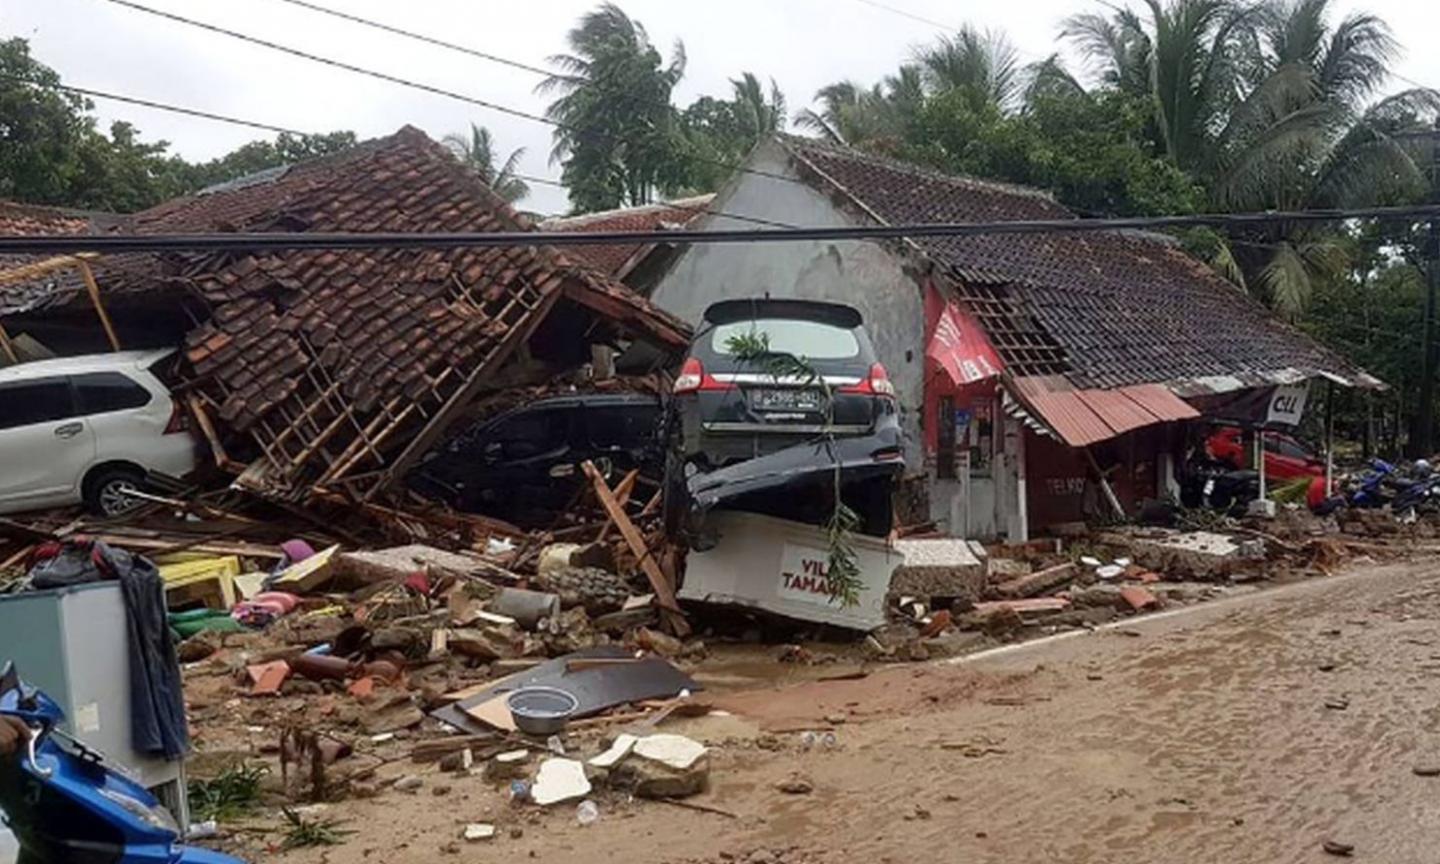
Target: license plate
{"x":786,"y":400}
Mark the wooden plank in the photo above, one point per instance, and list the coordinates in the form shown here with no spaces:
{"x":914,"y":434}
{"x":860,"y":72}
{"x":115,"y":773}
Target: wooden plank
{"x":26,"y":272}
{"x":245,"y":550}
{"x":6,"y":346}
{"x":664,"y":591}
{"x":94,"y":291}
{"x":622,"y":494}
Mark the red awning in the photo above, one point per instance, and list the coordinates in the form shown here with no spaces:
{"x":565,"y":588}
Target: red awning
{"x":1084,"y":417}
{"x":959,"y":348}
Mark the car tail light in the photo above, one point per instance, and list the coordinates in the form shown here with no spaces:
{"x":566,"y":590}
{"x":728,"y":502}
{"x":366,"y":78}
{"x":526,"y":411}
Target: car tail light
{"x":179,"y":420}
{"x":694,"y":378}
{"x":877,"y":383}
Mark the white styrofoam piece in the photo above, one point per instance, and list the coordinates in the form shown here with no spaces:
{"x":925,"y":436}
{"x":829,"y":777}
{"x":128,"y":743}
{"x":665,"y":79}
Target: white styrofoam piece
{"x":559,"y":780}
{"x":624,"y":742}
{"x":676,"y":751}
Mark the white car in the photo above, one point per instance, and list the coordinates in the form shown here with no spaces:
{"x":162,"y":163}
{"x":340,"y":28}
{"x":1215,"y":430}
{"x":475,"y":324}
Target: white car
{"x":88,"y":429}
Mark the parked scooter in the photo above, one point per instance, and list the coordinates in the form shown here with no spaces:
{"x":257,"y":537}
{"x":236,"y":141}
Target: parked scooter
{"x":64,"y":805}
{"x":1375,"y":488}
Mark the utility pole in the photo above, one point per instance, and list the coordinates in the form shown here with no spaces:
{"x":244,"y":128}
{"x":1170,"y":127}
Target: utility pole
{"x":1425,"y":425}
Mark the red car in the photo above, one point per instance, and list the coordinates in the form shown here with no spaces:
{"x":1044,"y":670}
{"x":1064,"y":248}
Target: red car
{"x":1285,"y":457}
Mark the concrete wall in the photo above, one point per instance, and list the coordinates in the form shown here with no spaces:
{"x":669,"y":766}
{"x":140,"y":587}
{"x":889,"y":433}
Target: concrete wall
{"x":863,"y":274}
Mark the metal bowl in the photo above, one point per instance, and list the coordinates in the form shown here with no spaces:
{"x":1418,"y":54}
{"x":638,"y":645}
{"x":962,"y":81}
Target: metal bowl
{"x":541,"y":710}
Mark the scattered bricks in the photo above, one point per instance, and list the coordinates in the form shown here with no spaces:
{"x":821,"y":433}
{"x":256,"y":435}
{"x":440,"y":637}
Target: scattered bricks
{"x":1138,"y":599}
{"x":1026,"y":608}
{"x":1040,"y":582}
{"x":939,"y":623}
{"x":362,"y":688}
{"x":1001,"y":569}
{"x":268,"y":678}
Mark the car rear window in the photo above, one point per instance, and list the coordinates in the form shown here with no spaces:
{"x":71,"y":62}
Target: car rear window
{"x":30,"y":402}
{"x":101,"y":392}
{"x":808,"y":339}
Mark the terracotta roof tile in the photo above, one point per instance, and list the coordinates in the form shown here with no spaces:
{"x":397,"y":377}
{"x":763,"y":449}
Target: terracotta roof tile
{"x":612,"y":260}
{"x":1104,"y":309}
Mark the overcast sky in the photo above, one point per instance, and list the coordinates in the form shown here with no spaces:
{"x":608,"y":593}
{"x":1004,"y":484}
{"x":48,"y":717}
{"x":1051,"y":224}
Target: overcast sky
{"x":803,"y":44}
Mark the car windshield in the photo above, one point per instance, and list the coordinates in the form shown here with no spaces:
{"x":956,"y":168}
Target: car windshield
{"x":808,"y":339}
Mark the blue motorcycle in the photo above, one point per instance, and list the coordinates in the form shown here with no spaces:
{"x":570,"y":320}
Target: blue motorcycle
{"x":64,"y":805}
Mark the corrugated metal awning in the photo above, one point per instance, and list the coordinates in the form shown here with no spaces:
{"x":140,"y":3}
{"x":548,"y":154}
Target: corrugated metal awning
{"x":1084,"y":417}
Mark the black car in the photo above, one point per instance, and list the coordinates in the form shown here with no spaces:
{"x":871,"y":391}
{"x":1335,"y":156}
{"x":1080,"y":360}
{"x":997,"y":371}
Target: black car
{"x":523,"y":466}
{"x":773,"y":395}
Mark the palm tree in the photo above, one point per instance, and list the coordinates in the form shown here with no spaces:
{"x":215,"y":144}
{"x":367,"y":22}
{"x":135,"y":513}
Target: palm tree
{"x":758,"y":114}
{"x":983,"y":64}
{"x":876,"y":118}
{"x":477,"y":152}
{"x":1266,"y":104}
{"x":616,"y":130}
{"x":1187,"y":56}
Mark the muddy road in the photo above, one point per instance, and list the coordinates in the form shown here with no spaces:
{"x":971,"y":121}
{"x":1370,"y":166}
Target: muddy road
{"x":1200,"y":736}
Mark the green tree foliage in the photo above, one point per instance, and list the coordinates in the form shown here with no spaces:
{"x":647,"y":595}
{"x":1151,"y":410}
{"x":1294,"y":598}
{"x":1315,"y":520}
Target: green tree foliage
{"x":1268,"y":106}
{"x":717,"y":134}
{"x":619,"y":140}
{"x":51,"y":151}
{"x":1089,"y":150}
{"x":476,"y":151}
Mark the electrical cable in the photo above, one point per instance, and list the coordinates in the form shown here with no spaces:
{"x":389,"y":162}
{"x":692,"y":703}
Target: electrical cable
{"x":430,"y":88}
{"x":57,"y":244}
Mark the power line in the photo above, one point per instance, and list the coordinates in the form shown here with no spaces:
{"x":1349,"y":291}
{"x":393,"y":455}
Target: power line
{"x":432,"y":89}
{"x":205,"y":115}
{"x":948,"y":28}
{"x":419,"y":37}
{"x":133,"y":100}
{"x":57,"y":244}
{"x":340,"y":64}
{"x":254,"y":124}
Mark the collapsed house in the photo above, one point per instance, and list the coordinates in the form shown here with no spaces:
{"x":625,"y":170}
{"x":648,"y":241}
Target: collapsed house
{"x":1041,"y":377}
{"x":637,"y":265}
{"x":319,"y":373}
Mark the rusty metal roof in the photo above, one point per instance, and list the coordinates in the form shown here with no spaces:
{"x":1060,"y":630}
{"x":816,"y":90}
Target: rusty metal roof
{"x":1081,"y":417}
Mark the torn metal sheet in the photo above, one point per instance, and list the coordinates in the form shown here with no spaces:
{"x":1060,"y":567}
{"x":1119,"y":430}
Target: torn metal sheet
{"x":595,"y":687}
{"x":859,"y":458}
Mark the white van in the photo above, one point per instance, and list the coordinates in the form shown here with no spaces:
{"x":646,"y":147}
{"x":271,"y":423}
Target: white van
{"x":88,"y":429}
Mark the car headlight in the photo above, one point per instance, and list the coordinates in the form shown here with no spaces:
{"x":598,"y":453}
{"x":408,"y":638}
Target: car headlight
{"x":155,"y":816}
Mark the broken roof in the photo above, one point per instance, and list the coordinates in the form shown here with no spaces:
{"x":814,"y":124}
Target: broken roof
{"x":1101,"y":308}
{"x":334,"y":360}
{"x":620,"y":259}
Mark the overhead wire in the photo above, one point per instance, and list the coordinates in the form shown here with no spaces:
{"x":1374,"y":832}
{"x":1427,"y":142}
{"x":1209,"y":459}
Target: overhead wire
{"x":432,"y":89}
{"x":419,"y":37}
{"x":270,"y":127}
{"x":56,"y":244}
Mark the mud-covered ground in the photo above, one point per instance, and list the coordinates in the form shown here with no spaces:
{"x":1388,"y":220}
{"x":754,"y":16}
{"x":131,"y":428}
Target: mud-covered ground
{"x":1199,"y":736}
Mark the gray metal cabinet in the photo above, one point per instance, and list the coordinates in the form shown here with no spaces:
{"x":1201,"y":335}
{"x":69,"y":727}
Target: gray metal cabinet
{"x":72,"y":643}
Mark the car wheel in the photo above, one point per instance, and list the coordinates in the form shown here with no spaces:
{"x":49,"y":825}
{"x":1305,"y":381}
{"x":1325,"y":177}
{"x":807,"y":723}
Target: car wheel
{"x":107,"y":493}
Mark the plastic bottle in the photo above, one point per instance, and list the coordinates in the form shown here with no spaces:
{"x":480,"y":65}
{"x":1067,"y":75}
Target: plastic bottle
{"x":519,"y":792}
{"x":588,"y":813}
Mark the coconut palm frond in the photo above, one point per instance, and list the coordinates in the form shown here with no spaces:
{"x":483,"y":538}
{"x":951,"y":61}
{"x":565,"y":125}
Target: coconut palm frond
{"x":1286,"y":281}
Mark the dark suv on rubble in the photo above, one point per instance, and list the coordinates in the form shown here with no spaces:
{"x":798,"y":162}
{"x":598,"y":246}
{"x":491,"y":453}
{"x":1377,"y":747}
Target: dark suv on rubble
{"x":523,"y":466}
{"x":773,"y":394}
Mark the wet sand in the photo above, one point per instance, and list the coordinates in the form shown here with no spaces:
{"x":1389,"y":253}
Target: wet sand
{"x":1197,"y":737}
